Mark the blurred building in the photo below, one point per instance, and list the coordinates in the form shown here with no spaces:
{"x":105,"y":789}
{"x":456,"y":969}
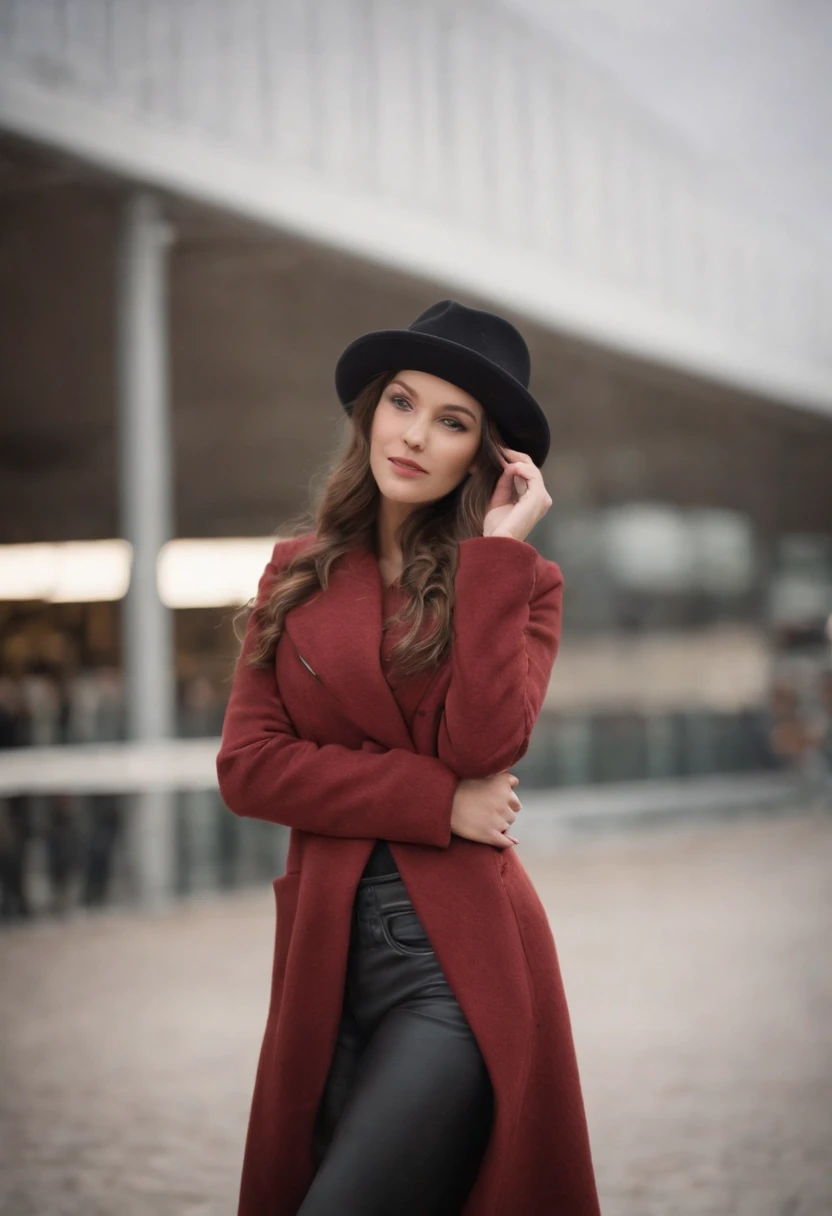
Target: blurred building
{"x":200,"y":205}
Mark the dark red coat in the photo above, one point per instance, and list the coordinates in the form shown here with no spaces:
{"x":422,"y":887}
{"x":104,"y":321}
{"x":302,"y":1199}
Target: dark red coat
{"x":328,"y":752}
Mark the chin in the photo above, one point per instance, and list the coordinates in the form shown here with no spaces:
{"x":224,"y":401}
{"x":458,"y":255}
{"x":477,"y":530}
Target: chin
{"x":395,"y":487}
{"x":400,"y":490}
{"x":398,"y":493}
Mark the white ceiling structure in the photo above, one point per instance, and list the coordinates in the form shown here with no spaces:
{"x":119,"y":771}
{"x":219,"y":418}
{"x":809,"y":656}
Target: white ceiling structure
{"x":649,"y":177}
{"x":747,"y":84}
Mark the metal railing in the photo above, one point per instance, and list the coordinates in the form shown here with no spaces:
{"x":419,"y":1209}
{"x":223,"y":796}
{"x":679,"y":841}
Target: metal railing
{"x":74,"y":830}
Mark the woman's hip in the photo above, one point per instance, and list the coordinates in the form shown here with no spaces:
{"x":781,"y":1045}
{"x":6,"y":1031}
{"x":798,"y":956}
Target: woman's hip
{"x":392,"y":961}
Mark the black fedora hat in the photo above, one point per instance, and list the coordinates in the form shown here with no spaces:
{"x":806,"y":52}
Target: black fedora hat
{"x":478,"y":351}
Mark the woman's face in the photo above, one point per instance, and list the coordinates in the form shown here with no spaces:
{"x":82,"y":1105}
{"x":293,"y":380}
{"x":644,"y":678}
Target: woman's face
{"x":432,"y":422}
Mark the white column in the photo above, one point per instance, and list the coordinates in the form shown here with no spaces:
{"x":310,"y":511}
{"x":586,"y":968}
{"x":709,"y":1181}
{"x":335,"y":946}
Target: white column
{"x":147,"y":521}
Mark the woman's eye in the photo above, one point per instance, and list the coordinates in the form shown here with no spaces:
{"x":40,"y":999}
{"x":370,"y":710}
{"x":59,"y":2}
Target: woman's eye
{"x":457,"y":425}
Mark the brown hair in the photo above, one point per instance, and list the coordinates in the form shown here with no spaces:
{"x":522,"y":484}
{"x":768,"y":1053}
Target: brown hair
{"x":346,"y":512}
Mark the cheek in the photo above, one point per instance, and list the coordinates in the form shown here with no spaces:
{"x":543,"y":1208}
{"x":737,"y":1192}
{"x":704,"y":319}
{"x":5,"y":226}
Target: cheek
{"x":458,"y":457}
{"x":383,"y":426}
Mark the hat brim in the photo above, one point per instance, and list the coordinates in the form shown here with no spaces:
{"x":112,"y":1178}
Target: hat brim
{"x":522,"y":422}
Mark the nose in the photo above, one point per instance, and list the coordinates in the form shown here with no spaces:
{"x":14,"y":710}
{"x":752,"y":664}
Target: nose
{"x":414,"y":435}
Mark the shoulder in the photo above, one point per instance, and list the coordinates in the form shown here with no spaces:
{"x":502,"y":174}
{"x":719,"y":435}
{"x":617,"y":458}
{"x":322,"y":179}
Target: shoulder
{"x":548,"y":574}
{"x":282,"y":553}
{"x":288,"y":547}
{"x":483,"y":556}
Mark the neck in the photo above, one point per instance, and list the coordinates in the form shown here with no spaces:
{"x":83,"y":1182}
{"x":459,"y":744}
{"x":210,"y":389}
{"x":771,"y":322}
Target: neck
{"x":391,"y":515}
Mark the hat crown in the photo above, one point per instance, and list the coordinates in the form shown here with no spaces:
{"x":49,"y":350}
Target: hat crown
{"x":483,"y":332}
{"x":479,"y":351}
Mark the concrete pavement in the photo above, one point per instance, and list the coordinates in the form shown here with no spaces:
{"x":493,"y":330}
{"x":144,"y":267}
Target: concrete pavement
{"x":697,"y":967}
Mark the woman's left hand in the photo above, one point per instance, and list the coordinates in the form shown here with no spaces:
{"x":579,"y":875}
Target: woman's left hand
{"x":519,"y":500}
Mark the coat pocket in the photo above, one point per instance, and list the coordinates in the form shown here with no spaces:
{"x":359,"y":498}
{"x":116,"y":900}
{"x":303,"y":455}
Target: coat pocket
{"x":286,"y":902}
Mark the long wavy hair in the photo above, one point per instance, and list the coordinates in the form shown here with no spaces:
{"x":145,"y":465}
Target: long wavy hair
{"x":345,"y":514}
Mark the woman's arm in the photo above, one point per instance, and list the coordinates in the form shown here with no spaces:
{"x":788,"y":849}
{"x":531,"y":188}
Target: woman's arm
{"x":507,"y":623}
{"x":266,"y":771}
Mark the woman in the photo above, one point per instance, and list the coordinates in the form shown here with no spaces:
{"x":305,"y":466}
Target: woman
{"x":418,"y":1055}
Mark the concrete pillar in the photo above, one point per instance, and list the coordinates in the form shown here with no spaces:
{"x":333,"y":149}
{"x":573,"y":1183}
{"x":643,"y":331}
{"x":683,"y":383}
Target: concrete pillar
{"x":146,"y":521}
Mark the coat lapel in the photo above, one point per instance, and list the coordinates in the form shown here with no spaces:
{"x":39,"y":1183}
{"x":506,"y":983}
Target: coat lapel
{"x":338,"y":636}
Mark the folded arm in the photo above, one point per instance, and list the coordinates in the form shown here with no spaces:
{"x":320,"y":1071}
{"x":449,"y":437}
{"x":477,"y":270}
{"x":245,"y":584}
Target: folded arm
{"x":507,"y":624}
{"x":265,"y":771}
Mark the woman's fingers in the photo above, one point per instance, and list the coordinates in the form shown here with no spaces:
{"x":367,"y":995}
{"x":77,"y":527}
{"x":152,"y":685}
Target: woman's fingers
{"x":512,"y":452}
{"x":526,"y":469}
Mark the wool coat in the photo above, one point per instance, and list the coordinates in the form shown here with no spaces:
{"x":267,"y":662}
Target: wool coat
{"x":319,"y":743}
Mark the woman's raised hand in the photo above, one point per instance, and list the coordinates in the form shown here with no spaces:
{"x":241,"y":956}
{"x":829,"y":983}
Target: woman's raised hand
{"x":519,"y":500}
{"x":484,"y":807}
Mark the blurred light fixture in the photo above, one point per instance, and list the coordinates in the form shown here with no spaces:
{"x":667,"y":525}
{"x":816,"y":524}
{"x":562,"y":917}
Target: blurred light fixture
{"x":801,"y":588}
{"x":724,"y":549}
{"x":649,"y":547}
{"x":71,"y":572}
{"x":212,"y":573}
{"x":190,"y":573}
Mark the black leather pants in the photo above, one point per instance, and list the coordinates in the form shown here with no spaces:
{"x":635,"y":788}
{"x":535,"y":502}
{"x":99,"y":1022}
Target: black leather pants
{"x":407,"y":1108}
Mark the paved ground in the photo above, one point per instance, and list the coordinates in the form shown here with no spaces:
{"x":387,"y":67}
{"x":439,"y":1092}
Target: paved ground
{"x":697,"y":964}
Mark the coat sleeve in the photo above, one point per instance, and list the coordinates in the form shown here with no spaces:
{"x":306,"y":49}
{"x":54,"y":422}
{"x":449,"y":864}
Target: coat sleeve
{"x":507,"y":624}
{"x":265,"y":771}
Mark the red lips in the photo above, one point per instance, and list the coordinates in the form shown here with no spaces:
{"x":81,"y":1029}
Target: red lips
{"x":408,"y":464}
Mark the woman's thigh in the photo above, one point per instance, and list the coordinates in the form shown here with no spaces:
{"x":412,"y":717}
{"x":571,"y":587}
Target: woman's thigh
{"x":415,"y":1121}
{"x":349,"y":1048}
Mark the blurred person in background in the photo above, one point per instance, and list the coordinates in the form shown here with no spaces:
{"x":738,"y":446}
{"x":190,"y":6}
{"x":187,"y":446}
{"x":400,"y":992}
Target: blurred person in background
{"x":15,"y":810}
{"x":787,"y":731}
{"x":98,"y":715}
{"x":418,"y":1055}
{"x":800,"y":733}
{"x":201,"y":710}
{"x":826,"y":745}
{"x":60,"y":822}
{"x":103,"y":827}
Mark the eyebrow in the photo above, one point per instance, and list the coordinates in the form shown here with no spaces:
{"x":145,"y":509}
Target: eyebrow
{"x":459,"y":409}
